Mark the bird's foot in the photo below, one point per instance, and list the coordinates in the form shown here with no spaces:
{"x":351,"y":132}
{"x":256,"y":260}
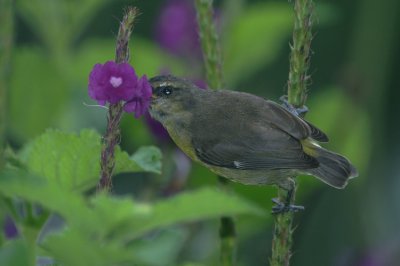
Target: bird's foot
{"x":285,"y":207}
{"x":300,"y":111}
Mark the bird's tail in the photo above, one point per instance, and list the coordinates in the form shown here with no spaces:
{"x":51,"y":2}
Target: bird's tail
{"x":333,"y":169}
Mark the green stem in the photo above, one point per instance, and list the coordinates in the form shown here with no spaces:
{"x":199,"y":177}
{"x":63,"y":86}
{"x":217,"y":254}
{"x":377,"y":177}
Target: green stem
{"x":213,"y":66}
{"x":110,"y":141}
{"x":112,"y":136}
{"x":282,"y":237}
{"x":227,"y":234}
{"x":297,"y":95}
{"x":300,"y":52}
{"x":209,"y":43}
{"x":124,"y":34}
{"x":6,"y":42}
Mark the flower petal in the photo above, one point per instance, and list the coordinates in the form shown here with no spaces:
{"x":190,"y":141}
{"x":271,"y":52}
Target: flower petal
{"x":102,"y":90}
{"x":140,"y":103}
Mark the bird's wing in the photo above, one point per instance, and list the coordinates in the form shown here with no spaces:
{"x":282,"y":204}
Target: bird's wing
{"x":280,"y":151}
{"x":317,"y":133}
{"x":292,"y":124}
{"x":247,"y":132}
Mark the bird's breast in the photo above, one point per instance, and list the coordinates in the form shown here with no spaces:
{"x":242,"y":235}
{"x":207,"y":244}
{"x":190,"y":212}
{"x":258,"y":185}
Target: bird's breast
{"x":180,"y":133}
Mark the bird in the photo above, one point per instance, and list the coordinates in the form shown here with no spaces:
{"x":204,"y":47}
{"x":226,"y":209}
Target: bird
{"x":243,"y":137}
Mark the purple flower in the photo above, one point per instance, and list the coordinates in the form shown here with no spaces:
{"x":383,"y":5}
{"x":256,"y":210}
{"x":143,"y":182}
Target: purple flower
{"x":113,"y":83}
{"x":177,"y":28}
{"x":9,"y":228}
{"x":140,"y":100}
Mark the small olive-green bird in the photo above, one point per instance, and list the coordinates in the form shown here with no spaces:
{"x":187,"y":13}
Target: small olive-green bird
{"x":243,"y":137}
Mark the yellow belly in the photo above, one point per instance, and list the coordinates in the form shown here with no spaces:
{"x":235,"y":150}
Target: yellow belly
{"x":183,"y":140}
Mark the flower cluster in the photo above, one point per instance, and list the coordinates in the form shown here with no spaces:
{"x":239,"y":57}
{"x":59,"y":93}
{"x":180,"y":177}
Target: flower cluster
{"x":114,"y":82}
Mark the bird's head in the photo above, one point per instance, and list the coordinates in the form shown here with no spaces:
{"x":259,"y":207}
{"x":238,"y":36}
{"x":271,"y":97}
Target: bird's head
{"x":172,"y":96}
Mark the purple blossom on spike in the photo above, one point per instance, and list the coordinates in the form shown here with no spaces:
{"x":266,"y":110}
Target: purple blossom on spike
{"x":140,"y":101}
{"x":112,"y":82}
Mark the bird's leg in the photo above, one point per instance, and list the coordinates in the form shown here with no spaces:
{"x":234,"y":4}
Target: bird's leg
{"x":301,"y":111}
{"x":287,"y":206}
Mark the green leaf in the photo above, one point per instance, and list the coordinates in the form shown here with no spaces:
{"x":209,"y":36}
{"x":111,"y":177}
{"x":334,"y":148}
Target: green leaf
{"x":86,"y":251}
{"x":70,"y":159}
{"x":162,"y":248}
{"x":202,"y":204}
{"x":148,"y":158}
{"x":73,"y":160}
{"x":86,"y":227}
{"x":98,"y":231}
{"x":16,"y":253}
{"x":48,"y":193}
{"x":255,"y":38}
{"x":37,"y":94}
{"x":205,"y":203}
{"x":12,"y":159}
{"x":121,"y":215}
{"x":58,"y":23}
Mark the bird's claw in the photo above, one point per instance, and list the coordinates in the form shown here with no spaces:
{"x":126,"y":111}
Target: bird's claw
{"x":283,"y":208}
{"x":300,"y":111}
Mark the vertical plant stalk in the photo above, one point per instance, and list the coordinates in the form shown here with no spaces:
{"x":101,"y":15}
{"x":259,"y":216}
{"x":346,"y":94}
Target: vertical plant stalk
{"x":6,"y":41}
{"x":209,"y":43}
{"x":282,"y":236}
{"x":112,"y":136}
{"x":213,"y":66}
{"x":297,"y":95}
{"x":300,"y":52}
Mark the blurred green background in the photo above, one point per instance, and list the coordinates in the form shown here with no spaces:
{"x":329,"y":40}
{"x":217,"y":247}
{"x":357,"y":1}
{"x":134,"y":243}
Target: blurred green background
{"x":48,"y":48}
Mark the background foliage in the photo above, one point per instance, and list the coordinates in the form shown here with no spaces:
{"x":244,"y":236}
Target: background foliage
{"x":352,"y":98}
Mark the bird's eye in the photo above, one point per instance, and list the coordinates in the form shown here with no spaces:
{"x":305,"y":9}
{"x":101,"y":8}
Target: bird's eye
{"x":167,"y":90}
